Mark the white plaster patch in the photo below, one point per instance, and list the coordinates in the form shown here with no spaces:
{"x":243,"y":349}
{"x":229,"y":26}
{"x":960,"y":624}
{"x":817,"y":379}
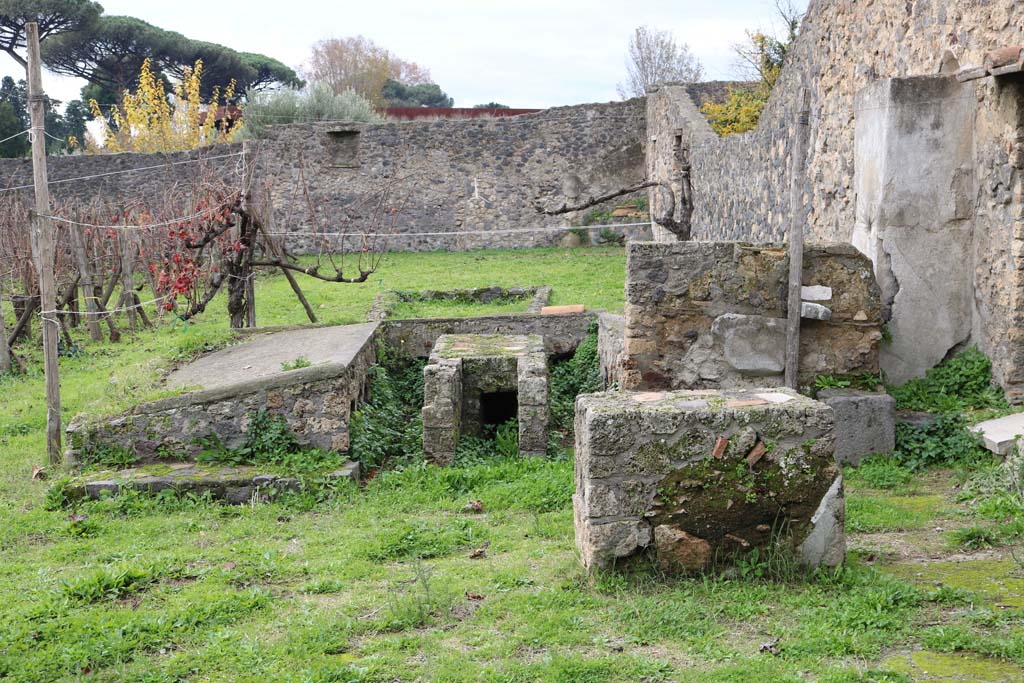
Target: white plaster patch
{"x":816,"y":293}
{"x":775,"y":398}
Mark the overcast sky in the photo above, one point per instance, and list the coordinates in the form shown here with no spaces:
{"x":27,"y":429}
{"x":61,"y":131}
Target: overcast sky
{"x":524,"y":53}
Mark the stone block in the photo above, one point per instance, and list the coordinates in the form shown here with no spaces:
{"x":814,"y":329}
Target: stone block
{"x":740,"y":471}
{"x":813,"y":311}
{"x":753,"y":345}
{"x":865,"y":423}
{"x":348,"y":472}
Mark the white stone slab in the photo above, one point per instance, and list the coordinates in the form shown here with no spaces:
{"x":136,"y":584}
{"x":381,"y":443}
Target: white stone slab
{"x":1000,"y":436}
{"x":815,"y":311}
{"x":774,"y":398}
{"x":816,"y":293}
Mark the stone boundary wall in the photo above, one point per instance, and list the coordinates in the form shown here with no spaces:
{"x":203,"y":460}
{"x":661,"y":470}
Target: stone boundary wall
{"x":155,"y":175}
{"x":316,"y":401}
{"x":458,"y":176}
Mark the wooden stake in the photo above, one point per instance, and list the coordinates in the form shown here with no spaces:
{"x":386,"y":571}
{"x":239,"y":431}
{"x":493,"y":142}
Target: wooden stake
{"x":43,"y":246}
{"x":5,"y":351}
{"x":85,"y":272}
{"x":796,"y":240}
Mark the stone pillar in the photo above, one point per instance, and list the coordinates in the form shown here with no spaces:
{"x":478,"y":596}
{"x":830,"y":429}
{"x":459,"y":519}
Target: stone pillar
{"x":442,"y":409}
{"x":533,"y":393}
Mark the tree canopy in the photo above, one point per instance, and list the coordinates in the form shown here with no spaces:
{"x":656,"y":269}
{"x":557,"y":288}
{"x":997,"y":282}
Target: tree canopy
{"x":357,"y":63}
{"x":53,"y":16}
{"x":109,"y":55}
{"x":655,"y":57}
{"x":14,"y":118}
{"x":421,"y":95}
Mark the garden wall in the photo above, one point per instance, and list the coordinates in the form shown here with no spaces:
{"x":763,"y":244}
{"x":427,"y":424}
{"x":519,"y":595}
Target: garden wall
{"x":446,"y":176}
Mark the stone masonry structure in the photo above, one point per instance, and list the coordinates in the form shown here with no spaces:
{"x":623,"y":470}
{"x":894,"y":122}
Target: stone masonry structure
{"x":712,"y":315}
{"x":886,"y":105}
{"x":489,"y":178}
{"x":315,"y":401}
{"x":703,"y":477}
{"x":473,"y":380}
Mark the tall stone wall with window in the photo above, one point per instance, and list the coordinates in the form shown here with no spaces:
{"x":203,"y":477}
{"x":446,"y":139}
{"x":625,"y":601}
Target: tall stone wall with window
{"x":491,"y":176}
{"x":465,"y":183}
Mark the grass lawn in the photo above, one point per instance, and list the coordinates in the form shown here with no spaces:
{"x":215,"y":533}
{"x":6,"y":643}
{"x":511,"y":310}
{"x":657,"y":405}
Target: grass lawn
{"x":383,"y":584}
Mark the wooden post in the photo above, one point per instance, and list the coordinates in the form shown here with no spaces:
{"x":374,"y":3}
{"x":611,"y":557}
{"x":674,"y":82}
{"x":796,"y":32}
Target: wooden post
{"x":43,"y":245}
{"x":85,"y":272}
{"x":796,"y":240}
{"x":249,"y":163}
{"x":5,"y":351}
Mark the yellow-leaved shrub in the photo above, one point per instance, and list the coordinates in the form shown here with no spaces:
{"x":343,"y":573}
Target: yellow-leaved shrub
{"x":148,"y":121}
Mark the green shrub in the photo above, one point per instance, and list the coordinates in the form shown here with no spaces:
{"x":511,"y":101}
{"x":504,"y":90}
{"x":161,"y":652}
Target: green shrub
{"x":946,"y":441}
{"x":268,"y":441}
{"x":318,"y":103}
{"x":107,"y":455}
{"x":581,"y":374}
{"x":388,"y":428}
{"x":961,"y":383}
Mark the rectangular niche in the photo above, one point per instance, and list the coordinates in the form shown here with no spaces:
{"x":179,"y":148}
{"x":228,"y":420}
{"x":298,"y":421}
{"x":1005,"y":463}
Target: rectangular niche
{"x":343,"y":148}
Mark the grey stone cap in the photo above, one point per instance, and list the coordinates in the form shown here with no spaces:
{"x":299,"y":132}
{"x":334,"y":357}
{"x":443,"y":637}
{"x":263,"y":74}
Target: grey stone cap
{"x":617,"y":402}
{"x":486,"y":346}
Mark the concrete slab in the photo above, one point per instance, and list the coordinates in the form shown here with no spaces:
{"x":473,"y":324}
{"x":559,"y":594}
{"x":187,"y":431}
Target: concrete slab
{"x":263,"y":356}
{"x":1000,"y":436}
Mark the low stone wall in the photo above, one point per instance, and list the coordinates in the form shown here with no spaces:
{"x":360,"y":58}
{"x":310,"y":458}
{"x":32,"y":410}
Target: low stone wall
{"x":385,"y":302}
{"x":562,"y":333}
{"x":316,"y":402}
{"x":712,"y":315}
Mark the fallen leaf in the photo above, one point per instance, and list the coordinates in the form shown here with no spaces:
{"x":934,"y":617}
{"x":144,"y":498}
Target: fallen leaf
{"x":480,"y":552}
{"x":38,"y":472}
{"x":475,"y":597}
{"x":771,"y":647}
{"x":476,"y":506}
{"x":736,"y":539}
{"x":720,"y":445}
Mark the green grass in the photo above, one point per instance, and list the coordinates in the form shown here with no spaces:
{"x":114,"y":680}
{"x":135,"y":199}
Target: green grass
{"x":379,"y":584}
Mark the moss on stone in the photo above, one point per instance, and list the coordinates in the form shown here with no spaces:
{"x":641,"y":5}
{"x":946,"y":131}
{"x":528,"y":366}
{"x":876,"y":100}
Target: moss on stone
{"x":937,"y":667}
{"x":999,"y":581}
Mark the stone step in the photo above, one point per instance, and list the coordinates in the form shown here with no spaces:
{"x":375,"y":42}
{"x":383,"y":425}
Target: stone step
{"x":1000,"y":435}
{"x":236,"y":485}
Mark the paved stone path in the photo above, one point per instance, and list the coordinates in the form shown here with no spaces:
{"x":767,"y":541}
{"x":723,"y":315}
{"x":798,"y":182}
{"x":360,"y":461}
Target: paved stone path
{"x":264,"y":355}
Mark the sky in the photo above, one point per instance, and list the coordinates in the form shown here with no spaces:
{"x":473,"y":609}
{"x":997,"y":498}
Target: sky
{"x":523,"y":53}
